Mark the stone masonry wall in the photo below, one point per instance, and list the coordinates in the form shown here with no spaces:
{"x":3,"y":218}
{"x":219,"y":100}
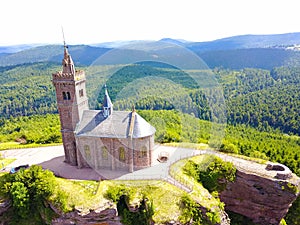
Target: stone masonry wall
{"x":69,"y":147}
{"x":91,"y":153}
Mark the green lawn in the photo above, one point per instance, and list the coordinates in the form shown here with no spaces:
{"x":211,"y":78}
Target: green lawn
{"x":165,"y":197}
{"x":90,"y":195}
{"x":82,"y":195}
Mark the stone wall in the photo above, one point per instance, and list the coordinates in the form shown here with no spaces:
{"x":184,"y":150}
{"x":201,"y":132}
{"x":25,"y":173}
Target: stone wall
{"x":115,"y":154}
{"x":69,"y":147}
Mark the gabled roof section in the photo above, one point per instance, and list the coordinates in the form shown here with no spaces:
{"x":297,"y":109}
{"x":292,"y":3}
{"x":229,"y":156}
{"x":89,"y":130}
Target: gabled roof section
{"x":117,"y":125}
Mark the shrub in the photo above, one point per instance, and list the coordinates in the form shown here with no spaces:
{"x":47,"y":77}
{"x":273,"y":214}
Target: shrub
{"x":61,"y":201}
{"x":28,"y":190}
{"x":192,"y":169}
{"x":217,"y":175}
{"x":214,"y":174}
{"x":143,"y":216}
{"x":114,"y":193}
{"x":191,"y":211}
{"x":19,"y":195}
{"x":121,"y":195}
{"x":229,"y":148}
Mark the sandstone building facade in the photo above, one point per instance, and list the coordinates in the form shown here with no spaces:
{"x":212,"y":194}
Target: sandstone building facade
{"x":108,"y":139}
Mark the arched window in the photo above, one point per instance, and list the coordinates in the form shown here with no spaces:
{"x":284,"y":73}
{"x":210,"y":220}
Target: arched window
{"x":143,"y":152}
{"x":64,"y":95}
{"x":104,"y":152}
{"x":122,"y":154}
{"x":87,"y":152}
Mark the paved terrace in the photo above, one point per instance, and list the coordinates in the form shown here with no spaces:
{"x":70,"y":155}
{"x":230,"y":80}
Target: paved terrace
{"x":52,"y":158}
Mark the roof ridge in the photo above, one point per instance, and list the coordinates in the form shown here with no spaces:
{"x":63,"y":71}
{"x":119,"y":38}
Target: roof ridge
{"x":131,"y":126}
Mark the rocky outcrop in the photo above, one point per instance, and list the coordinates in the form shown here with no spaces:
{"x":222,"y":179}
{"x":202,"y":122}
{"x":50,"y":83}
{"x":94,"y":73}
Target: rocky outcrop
{"x":264,"y":197}
{"x":4,"y":206}
{"x":104,"y":217}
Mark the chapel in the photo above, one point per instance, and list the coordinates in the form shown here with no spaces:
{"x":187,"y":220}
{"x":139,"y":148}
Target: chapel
{"x":100,"y":139}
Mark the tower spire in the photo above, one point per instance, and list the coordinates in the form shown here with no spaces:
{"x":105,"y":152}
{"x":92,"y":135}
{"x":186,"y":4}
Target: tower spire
{"x":67,"y":62}
{"x":107,"y":104}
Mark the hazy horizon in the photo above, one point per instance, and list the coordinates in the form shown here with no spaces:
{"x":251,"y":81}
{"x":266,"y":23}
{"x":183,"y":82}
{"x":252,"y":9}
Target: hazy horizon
{"x":33,"y":21}
{"x":133,"y":40}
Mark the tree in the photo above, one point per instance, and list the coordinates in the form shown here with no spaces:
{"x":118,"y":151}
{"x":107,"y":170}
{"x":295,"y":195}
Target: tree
{"x":29,"y":190}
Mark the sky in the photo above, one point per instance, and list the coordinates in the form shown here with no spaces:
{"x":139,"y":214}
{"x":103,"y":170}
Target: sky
{"x":97,"y":21}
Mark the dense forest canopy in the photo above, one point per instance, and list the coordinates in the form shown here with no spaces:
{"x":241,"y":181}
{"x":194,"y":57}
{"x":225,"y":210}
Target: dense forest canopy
{"x":266,"y":100}
{"x":260,"y":98}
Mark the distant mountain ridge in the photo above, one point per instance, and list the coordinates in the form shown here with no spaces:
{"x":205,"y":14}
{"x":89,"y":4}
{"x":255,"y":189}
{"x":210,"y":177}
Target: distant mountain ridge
{"x":257,"y":51}
{"x":17,"y":48}
{"x":247,"y":41}
{"x":81,"y":54}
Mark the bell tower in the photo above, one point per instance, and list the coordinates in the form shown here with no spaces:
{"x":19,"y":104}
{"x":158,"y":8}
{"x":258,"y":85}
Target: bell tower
{"x":107,"y":105}
{"x":71,"y":102}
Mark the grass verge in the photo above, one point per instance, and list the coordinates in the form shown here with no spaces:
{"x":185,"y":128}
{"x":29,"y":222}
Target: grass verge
{"x":5,"y":162}
{"x":199,"y":146}
{"x":16,"y":145}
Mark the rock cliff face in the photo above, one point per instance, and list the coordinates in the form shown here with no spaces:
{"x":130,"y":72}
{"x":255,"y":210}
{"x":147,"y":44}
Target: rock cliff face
{"x":105,"y":217}
{"x":264,"y":197}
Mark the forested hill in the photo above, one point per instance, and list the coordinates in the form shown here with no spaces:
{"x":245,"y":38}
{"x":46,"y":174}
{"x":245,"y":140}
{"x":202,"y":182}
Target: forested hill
{"x":247,"y":41}
{"x":263,"y":58}
{"x":266,"y":95}
{"x":260,"y":98}
{"x":81,"y":54}
{"x":247,"y":51}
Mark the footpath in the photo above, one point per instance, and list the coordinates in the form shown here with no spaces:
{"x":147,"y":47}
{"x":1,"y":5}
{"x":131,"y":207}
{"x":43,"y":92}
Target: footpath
{"x":52,"y":158}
